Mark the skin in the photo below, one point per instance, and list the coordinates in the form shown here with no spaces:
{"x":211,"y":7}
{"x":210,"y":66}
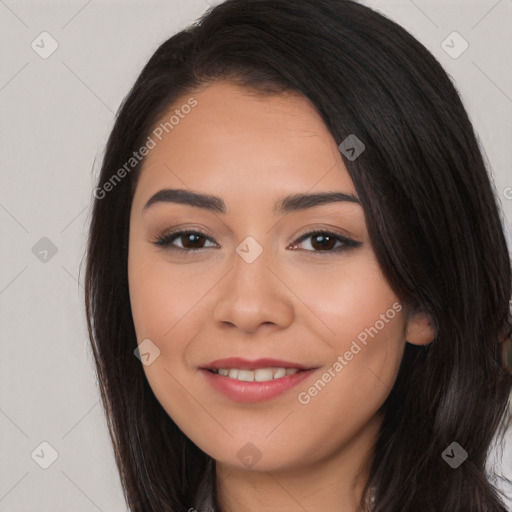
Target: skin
{"x":294,"y":302}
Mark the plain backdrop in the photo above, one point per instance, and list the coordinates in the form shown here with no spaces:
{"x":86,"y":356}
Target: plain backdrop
{"x":65,"y":68}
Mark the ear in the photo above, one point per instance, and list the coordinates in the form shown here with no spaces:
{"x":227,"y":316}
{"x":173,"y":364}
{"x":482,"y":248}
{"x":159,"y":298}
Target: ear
{"x":420,"y":329}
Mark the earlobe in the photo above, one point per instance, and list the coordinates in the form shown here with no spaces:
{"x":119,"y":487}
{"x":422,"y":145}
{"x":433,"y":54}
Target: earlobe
{"x":420,"y":329}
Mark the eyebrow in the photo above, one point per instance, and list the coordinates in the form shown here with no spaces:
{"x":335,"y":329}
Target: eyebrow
{"x":292,"y":203}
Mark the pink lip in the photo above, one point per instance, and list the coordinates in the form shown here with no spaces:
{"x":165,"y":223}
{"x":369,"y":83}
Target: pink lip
{"x":252,"y":392}
{"x":245,"y":364}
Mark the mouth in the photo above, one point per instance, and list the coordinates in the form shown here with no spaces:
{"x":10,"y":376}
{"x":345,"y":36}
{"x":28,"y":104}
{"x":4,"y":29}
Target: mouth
{"x":258,"y":370}
{"x":254,"y":381}
{"x":256,"y":375}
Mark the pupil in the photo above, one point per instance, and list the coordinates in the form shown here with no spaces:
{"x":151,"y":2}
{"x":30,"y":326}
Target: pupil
{"x":191,"y":237}
{"x":326,"y":242}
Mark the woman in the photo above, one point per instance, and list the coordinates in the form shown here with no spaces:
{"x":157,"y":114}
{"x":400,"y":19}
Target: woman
{"x":294,"y":232}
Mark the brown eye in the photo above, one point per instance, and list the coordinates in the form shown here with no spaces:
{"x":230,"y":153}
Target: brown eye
{"x":325,"y":241}
{"x":190,"y":241}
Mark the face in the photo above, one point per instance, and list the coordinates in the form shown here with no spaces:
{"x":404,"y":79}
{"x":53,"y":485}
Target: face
{"x":259,"y":274}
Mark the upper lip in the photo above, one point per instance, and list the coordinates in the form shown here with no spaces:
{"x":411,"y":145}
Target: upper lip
{"x":245,"y":364}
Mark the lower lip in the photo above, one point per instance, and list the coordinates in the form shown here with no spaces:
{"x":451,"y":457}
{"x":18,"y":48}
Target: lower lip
{"x":251,"y":392}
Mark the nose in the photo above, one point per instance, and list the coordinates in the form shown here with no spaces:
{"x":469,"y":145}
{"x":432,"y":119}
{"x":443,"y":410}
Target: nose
{"x":253,"y":295}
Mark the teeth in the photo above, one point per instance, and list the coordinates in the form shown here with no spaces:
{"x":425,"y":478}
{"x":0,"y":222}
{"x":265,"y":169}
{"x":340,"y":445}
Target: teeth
{"x":247,"y":375}
{"x":263,"y":374}
{"x":280,"y":372}
{"x":258,"y":375}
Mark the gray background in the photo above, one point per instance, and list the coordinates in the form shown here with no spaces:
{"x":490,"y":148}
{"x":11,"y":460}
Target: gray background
{"x":56,"y":114}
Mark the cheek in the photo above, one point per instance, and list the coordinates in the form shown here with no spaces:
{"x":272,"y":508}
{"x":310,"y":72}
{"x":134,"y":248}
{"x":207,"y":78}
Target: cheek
{"x":162,"y":303}
{"x":148,"y":299}
{"x":347,"y":298}
{"x":363,"y":326}
{"x":163,"y":296}
{"x":353,"y":385}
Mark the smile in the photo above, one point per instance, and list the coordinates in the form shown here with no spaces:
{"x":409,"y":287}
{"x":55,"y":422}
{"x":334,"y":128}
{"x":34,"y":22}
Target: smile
{"x":258,"y":375}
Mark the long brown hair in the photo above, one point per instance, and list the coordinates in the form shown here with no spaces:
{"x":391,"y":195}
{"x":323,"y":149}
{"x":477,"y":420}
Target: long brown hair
{"x":432,"y":217}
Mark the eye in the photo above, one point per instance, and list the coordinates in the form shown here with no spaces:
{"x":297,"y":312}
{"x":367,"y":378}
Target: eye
{"x":321,"y":241}
{"x":325,"y":241}
{"x":190,"y":241}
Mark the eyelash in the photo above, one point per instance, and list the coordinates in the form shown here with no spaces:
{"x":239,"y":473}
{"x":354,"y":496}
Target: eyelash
{"x":167,"y":239}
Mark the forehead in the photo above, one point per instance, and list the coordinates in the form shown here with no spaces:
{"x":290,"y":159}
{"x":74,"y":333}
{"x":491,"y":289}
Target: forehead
{"x":235,"y":140}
